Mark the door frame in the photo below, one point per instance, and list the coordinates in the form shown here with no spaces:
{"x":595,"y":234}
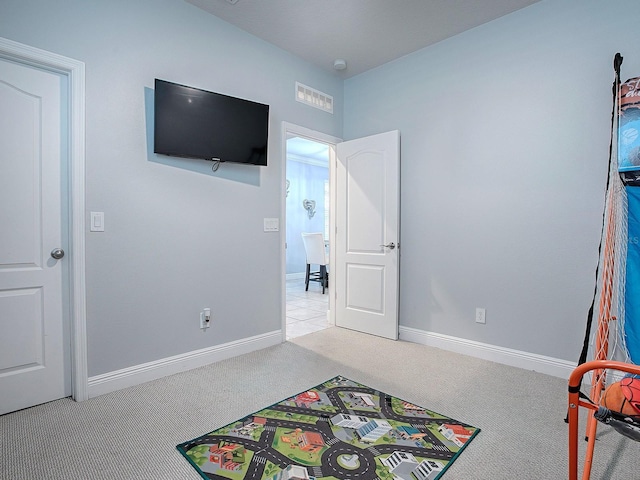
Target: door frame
{"x":331,"y":141}
{"x":74,"y":71}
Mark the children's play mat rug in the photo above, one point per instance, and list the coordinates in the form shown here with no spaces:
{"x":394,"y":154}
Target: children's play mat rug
{"x":339,"y":429}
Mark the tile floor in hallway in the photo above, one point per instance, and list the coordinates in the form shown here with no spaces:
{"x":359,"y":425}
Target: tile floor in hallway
{"x":306,"y":311}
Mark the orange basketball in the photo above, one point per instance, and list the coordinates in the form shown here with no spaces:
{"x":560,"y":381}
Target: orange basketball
{"x":615,"y":399}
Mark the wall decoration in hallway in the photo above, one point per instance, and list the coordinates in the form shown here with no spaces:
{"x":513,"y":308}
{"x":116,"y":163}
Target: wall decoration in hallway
{"x":310,"y":207}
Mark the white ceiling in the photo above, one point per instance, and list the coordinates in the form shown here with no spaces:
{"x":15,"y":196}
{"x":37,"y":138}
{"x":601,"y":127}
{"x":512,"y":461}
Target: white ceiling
{"x":365,"y":33}
{"x":305,"y":150}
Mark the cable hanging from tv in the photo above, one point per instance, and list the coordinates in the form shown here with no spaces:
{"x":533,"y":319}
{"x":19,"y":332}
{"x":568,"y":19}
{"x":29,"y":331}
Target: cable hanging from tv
{"x":216,"y":164}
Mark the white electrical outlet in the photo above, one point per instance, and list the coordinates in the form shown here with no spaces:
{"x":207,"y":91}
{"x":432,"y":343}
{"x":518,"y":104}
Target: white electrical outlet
{"x":205,"y":318}
{"x":481,"y":315}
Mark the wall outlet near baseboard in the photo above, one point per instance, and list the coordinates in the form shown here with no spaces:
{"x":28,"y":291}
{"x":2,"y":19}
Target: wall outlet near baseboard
{"x":205,"y":318}
{"x":481,"y":314}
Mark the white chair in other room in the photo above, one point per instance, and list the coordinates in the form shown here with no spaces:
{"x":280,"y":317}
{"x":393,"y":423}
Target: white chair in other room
{"x":316,"y":255}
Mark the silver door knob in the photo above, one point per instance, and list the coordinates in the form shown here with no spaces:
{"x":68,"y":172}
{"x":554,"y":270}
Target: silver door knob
{"x":57,"y":253}
{"x":390,"y":246}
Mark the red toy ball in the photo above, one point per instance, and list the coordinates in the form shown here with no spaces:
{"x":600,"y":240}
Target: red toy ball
{"x":630,"y":387}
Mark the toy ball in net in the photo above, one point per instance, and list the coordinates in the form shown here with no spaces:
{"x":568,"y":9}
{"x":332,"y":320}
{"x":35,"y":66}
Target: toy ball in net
{"x":623,"y":396}
{"x":630,"y":387}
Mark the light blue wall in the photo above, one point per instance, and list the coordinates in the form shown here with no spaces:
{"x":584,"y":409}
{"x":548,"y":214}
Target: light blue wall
{"x":505,"y":134}
{"x":177,"y":237}
{"x":307,"y":182}
{"x":505,"y":137}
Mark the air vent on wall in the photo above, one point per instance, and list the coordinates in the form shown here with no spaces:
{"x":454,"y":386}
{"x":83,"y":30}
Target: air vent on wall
{"x":314,"y":97}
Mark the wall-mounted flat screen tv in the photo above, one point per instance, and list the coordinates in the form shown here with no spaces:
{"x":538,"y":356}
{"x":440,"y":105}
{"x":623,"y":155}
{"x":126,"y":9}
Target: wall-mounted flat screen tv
{"x":194,"y":123}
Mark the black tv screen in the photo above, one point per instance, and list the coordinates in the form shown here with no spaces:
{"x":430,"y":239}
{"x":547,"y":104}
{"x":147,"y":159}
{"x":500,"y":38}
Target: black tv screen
{"x":195,"y":123}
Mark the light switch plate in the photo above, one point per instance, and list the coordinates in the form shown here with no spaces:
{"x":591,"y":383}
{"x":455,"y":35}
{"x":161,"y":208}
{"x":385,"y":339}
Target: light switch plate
{"x":271,"y":224}
{"x":97,"y":222}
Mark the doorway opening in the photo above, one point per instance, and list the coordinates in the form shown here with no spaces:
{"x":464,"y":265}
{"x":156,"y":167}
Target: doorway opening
{"x":308,"y":205}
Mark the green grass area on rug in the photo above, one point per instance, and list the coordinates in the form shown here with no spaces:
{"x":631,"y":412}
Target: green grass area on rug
{"x":339,"y":429}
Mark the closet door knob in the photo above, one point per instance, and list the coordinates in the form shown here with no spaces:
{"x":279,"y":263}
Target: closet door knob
{"x":57,"y":253}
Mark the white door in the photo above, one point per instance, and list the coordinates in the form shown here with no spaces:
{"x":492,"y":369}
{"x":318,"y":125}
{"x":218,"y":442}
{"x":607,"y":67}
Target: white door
{"x":31,"y":323}
{"x":367,"y":235}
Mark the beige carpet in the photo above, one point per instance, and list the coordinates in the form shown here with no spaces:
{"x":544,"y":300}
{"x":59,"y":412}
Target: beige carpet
{"x":132,"y":433}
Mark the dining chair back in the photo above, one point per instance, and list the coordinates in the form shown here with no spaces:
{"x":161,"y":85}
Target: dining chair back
{"x":316,"y":255}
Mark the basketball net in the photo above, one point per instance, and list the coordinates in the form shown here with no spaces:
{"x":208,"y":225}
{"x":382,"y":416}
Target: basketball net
{"x":608,"y":339}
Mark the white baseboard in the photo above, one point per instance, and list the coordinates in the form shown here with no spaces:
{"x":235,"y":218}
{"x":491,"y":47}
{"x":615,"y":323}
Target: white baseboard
{"x":507,"y":356}
{"x":131,"y":376}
